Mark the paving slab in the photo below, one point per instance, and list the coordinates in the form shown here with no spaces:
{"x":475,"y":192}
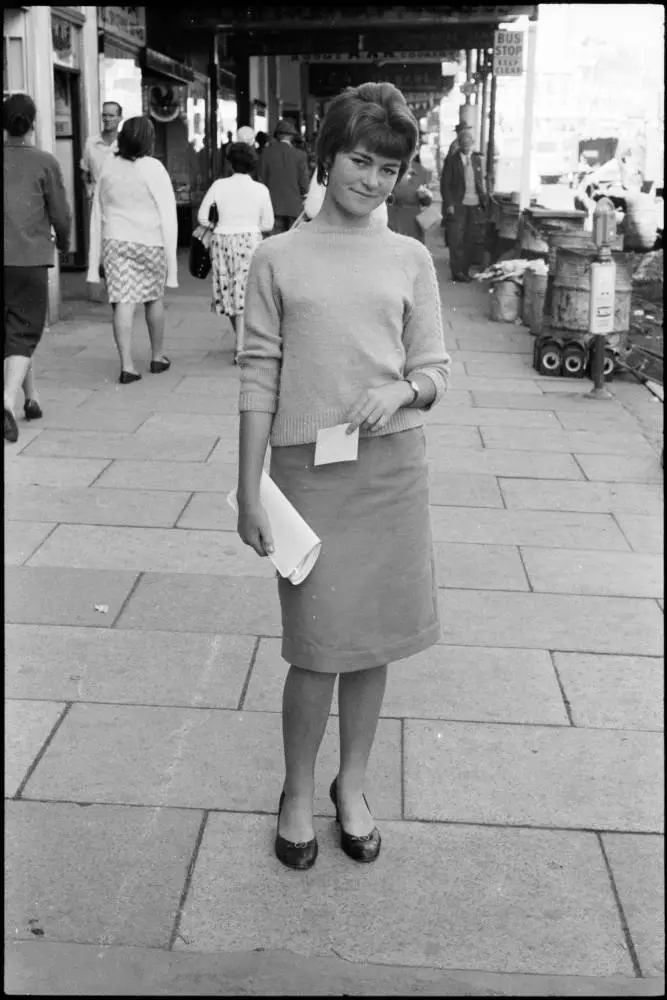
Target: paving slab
{"x":529,"y":892}
{"x":44,"y":969}
{"x":126,"y":667}
{"x":58,"y":596}
{"x":99,"y":874}
{"x":490,"y":417}
{"x":55,"y":473}
{"x":611,"y":574}
{"x":226,"y":404}
{"x":475,"y":384}
{"x":28,"y":725}
{"x":140,"y":508}
{"x":597,"y":420}
{"x":500,"y":344}
{"x":27,"y":434}
{"x":189,"y":602}
{"x":645,"y":532}
{"x":89,"y":418}
{"x":199,"y":384}
{"x":479,"y":567}
{"x":621,"y":468}
{"x":22,"y":538}
{"x":443,"y":682}
{"x":638,"y":866}
{"x":455,"y":397}
{"x":613,"y":692}
{"x":551,"y":776}
{"x":505,"y":463}
{"x":73,"y":397}
{"x":220,"y":424}
{"x":508,"y":365}
{"x":534,"y":494}
{"x":579,"y":442}
{"x":440,"y":437}
{"x":181,"y":476}
{"x":558,"y":402}
{"x":568,"y":623}
{"x":557,"y":386}
{"x":147,"y":447}
{"x":158,"y":550}
{"x":553,"y":529}
{"x":196,"y":758}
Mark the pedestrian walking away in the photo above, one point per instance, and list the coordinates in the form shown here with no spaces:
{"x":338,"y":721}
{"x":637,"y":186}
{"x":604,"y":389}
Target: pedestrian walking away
{"x":284,"y":170}
{"x":464,"y":204}
{"x":133,"y":231}
{"x":98,"y":147}
{"x":343,"y":328}
{"x":34,"y":202}
{"x":409,"y":197}
{"x":244,"y":213}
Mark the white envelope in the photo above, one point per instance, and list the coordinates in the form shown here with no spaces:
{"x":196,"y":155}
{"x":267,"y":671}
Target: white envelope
{"x":296,"y":546}
{"x":334,"y":445}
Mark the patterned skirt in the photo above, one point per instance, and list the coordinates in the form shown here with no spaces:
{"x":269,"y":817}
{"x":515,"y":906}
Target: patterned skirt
{"x":230,"y":260}
{"x":134,"y":272}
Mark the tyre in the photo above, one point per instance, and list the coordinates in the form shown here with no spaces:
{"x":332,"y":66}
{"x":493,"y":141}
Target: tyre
{"x":608,"y":365}
{"x":549,"y":358}
{"x":574,"y":361}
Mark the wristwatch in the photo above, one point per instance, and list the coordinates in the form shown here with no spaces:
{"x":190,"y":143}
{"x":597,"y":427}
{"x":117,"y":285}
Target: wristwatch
{"x":415,"y":390}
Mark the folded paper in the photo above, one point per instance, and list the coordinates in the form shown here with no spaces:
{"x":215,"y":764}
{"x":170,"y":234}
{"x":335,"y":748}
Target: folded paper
{"x":333,"y":444}
{"x":296,"y":546}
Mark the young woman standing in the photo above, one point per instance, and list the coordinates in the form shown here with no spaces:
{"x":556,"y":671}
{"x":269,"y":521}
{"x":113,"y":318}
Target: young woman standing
{"x":343,"y":326}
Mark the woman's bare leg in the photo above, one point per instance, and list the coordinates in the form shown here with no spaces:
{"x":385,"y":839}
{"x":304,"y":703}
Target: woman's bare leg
{"x":306,"y":705}
{"x":155,"y":323}
{"x":15,"y":370}
{"x":29,"y":388}
{"x":123,"y":317}
{"x":360,"y":695}
{"x":239,"y":330}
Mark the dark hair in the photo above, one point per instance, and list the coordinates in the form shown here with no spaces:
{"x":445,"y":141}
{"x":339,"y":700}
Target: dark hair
{"x":136,"y":138}
{"x":242,"y":158}
{"x":261,"y":139}
{"x":374,"y":115}
{"x":18,"y":115}
{"x":120,"y":110}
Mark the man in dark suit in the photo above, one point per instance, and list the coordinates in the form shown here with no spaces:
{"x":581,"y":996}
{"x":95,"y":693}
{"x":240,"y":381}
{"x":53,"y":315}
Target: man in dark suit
{"x":463,"y":205}
{"x":284,"y":170}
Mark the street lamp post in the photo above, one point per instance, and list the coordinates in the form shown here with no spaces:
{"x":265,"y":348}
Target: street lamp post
{"x":602,"y":292}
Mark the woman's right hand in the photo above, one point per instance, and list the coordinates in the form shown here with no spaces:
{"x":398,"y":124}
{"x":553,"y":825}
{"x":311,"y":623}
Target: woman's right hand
{"x":254,"y":528}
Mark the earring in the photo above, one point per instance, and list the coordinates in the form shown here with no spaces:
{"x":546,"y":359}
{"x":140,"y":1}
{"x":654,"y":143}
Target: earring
{"x":325,"y":179}
{"x":390,"y":199}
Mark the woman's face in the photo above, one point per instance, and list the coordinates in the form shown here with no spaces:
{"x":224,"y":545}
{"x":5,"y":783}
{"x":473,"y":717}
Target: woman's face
{"x":359,"y":181}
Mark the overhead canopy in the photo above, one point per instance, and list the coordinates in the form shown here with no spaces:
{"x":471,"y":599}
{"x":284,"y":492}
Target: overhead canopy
{"x":294,"y":30}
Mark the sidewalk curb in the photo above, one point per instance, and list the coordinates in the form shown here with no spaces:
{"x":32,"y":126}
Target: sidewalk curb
{"x":50,"y":969}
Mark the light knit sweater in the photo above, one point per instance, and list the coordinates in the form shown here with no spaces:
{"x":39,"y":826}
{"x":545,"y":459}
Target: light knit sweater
{"x":134,"y":202}
{"x":330,"y":313}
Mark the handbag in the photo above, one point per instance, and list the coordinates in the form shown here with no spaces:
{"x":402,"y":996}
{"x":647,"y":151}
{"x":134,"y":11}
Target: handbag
{"x":200,"y":247}
{"x":428,"y":217}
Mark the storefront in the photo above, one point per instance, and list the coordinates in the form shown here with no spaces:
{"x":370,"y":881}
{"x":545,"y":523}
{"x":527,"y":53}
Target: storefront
{"x":122,"y":38}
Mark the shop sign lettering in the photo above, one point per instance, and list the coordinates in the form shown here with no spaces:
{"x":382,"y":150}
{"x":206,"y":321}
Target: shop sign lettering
{"x":128,"y":23}
{"x":508,"y":53}
{"x":390,"y":57}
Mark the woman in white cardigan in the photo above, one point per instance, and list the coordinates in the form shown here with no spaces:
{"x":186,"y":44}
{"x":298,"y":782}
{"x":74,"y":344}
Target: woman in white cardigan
{"x":133,"y":234}
{"x":244,"y":213}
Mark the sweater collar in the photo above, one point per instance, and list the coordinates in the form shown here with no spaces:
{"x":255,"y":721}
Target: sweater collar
{"x":319,"y":226}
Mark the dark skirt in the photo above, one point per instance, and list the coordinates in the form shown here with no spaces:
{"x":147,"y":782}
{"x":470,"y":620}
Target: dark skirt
{"x":371,"y":597}
{"x":26,"y":300}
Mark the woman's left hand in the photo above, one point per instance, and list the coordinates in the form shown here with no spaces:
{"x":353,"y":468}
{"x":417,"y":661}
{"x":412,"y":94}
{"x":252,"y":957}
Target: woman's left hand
{"x":375,"y":407}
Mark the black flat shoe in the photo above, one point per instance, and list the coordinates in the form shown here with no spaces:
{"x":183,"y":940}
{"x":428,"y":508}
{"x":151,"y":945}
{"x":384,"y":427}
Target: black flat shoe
{"x":10,"y":427}
{"x":127,"y":377}
{"x":160,"y":366}
{"x":32,"y":409}
{"x":364,"y":848}
{"x":299,"y":856}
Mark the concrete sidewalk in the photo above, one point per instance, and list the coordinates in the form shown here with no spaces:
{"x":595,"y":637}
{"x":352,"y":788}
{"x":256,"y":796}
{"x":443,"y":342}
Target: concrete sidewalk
{"x":516,"y":774}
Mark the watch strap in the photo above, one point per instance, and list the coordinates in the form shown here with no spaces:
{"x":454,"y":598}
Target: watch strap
{"x":415,"y":390}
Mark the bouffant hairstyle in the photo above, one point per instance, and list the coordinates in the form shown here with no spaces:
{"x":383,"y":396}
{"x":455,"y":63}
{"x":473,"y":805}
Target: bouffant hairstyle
{"x":18,"y":115}
{"x":373,"y":115}
{"x":136,"y":138}
{"x":242,"y":158}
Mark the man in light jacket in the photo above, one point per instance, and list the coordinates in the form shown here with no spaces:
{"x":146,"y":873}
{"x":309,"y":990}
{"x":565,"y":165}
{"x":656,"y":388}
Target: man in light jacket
{"x":284,"y":170}
{"x":464,"y":204}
